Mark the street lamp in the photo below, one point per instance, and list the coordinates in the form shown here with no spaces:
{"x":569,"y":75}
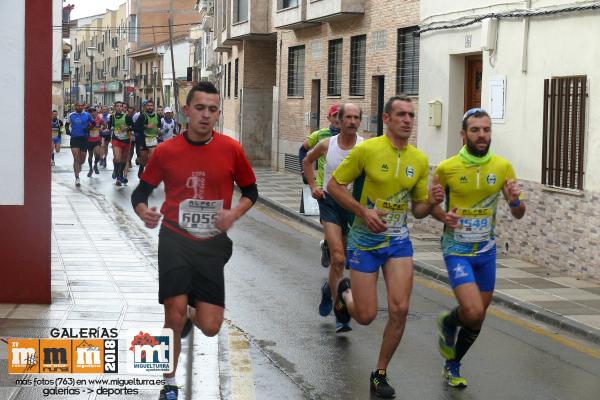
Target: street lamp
{"x":154,"y":71}
{"x":161,"y":50}
{"x":91,"y":52}
{"x":76,"y":62}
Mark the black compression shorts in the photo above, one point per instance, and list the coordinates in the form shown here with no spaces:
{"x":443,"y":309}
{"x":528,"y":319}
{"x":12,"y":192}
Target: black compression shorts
{"x":192,"y":267}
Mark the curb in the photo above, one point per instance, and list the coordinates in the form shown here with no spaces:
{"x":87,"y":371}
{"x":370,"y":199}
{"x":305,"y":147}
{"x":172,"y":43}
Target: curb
{"x":295,"y":215}
{"x":529,"y":310}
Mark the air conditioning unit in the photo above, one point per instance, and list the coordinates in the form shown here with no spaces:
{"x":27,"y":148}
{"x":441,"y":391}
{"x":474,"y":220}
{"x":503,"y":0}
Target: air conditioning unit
{"x":489,"y":32}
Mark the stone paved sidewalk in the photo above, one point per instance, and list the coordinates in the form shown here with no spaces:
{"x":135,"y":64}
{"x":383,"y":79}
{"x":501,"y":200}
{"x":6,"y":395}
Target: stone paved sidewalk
{"x":545,"y":295}
{"x":101,"y":277}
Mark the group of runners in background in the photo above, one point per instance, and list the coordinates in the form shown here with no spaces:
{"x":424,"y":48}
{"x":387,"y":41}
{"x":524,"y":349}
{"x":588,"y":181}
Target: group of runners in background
{"x":93,"y":130}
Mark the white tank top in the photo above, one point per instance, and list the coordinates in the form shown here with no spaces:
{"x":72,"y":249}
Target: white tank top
{"x":168,"y":129}
{"x":335,"y":155}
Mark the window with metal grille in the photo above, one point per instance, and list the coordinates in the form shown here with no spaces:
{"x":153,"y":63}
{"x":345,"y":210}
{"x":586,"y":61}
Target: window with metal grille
{"x":564,"y":132}
{"x":358,"y":58}
{"x":235,"y":81}
{"x":229,"y":80}
{"x":198,"y":51}
{"x":334,"y":67}
{"x":295,"y":71}
{"x":407,"y":63}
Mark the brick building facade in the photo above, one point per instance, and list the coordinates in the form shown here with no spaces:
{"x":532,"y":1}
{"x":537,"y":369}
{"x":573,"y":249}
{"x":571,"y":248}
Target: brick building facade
{"x":368,"y":35}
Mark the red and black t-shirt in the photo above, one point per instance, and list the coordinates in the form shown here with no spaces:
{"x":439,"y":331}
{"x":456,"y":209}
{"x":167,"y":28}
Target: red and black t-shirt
{"x":197,"y":171}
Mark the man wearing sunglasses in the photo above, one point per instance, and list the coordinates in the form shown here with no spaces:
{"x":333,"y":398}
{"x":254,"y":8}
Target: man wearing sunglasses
{"x":473,"y":181}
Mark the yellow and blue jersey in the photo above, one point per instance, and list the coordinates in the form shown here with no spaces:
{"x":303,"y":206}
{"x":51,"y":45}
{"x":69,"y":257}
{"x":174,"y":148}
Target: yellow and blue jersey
{"x":385,"y":178}
{"x":474,"y":190}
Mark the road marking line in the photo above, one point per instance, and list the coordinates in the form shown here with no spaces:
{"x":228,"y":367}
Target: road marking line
{"x":242,"y":379}
{"x":493,"y":310}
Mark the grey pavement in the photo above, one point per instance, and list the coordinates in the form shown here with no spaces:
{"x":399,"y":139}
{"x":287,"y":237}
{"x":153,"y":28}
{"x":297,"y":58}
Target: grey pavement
{"x":548,"y":296}
{"x":104,"y":274}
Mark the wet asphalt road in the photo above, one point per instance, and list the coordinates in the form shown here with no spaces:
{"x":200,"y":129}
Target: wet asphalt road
{"x":273,"y":282}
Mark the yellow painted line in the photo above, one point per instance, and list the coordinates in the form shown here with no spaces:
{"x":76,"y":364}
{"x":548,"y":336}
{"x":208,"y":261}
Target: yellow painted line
{"x":242,"y":378}
{"x":592,"y":352}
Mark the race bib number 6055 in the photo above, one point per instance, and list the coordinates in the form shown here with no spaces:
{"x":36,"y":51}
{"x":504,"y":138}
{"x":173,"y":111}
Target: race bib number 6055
{"x":198,"y":217}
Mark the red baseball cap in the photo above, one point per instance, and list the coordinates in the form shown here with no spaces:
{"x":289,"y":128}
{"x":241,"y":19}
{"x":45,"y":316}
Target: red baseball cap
{"x":333,"y":110}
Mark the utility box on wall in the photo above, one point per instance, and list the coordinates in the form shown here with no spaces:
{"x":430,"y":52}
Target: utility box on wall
{"x":434,"y":115}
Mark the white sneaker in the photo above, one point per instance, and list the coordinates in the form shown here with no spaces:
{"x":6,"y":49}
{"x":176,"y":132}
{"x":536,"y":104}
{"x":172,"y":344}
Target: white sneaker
{"x":77,"y":182}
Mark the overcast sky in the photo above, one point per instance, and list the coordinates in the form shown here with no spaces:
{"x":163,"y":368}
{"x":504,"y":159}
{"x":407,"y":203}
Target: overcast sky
{"x":85,"y":8}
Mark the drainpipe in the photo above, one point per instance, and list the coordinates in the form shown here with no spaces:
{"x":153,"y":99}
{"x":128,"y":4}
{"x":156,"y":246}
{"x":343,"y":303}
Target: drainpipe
{"x":525,"y":39}
{"x":279,"y":99}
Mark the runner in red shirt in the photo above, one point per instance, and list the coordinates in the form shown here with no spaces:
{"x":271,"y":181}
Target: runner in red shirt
{"x":94,"y":141}
{"x":198,"y":168}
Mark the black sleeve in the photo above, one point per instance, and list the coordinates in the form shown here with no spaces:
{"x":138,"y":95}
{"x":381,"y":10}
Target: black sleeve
{"x":111,"y":122}
{"x":302,"y":152}
{"x":250,"y":192}
{"x":139,"y":124}
{"x":141,"y":193}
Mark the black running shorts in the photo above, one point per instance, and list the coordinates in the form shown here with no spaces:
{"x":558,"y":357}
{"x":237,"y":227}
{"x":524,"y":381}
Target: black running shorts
{"x":331,"y":211}
{"x":192,"y":267}
{"x":79,"y":142}
{"x":92,"y":145}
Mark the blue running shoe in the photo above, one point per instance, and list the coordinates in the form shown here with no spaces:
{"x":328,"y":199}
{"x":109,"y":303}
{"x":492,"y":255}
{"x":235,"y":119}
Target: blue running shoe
{"x":341,"y":327}
{"x":451,"y":373}
{"x":447,"y":337}
{"x":168,"y":392}
{"x":326,"y":302}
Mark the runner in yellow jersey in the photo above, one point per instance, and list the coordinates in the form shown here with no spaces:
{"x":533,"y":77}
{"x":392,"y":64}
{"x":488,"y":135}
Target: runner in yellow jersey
{"x":389,"y":174}
{"x":474,"y":180}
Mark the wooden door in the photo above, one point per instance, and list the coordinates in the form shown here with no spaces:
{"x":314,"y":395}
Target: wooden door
{"x":473,"y":69}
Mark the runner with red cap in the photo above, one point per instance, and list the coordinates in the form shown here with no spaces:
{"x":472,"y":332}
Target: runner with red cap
{"x":311,"y":141}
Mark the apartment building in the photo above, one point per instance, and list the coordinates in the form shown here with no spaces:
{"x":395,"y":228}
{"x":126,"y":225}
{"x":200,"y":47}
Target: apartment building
{"x":531,"y":66}
{"x":246,"y":41}
{"x":331,"y":51}
{"x":284,"y":62}
{"x":99,"y":64}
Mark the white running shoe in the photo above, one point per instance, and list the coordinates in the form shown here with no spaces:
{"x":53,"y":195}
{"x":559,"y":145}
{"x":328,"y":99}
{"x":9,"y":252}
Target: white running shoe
{"x":77,"y":182}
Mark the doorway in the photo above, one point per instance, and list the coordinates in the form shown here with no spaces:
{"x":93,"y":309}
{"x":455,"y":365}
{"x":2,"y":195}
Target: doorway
{"x":380,"y":81}
{"x":315,"y":105}
{"x":473,"y":75}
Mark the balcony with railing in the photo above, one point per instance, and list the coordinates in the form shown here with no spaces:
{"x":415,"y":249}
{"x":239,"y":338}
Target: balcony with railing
{"x":250,"y":19}
{"x":221,"y":28}
{"x":291,"y":14}
{"x":331,"y":10}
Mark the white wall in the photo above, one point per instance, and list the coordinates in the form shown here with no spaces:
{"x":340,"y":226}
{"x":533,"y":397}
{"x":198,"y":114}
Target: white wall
{"x":559,"y":46}
{"x":12,"y":92}
{"x":56,"y":41}
{"x":181,"y":55}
